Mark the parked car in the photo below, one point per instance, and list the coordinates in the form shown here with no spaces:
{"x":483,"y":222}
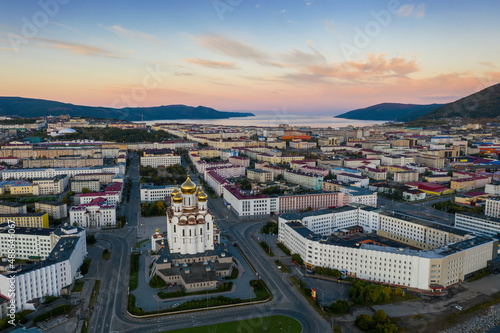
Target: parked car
{"x":458,"y":307}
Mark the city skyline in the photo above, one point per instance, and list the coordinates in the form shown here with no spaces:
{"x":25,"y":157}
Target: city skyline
{"x":306,"y":56}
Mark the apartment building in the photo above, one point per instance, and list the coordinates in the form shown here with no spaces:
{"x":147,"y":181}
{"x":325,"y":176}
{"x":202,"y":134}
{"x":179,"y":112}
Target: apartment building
{"x":405,"y":176}
{"x":33,"y":220}
{"x":56,"y":210}
{"x":417,"y":232}
{"x":260,"y":176}
{"x":52,"y":172}
{"x":430,"y":161}
{"x":112,"y":197}
{"x":230,"y":171}
{"x":291,"y":203}
{"x":55,"y":185}
{"x":71,"y":161}
{"x":478,"y":224}
{"x":93,"y":185}
{"x":307,"y":180}
{"x":157,"y":157}
{"x":492,"y":207}
{"x":8,"y":207}
{"x":50,"y":276}
{"x":102,"y":177}
{"x":375,"y":174}
{"x":238,"y":160}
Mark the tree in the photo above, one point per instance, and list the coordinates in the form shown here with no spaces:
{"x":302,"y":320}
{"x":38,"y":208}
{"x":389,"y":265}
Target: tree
{"x":280,"y":177}
{"x":86,"y":190}
{"x":380,"y":317}
{"x":296,"y":257}
{"x":365,"y":322}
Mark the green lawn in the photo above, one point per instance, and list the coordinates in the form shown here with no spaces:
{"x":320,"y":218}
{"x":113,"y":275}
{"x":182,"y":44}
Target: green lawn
{"x":134,"y":271}
{"x":272,"y":324}
{"x":78,"y":286}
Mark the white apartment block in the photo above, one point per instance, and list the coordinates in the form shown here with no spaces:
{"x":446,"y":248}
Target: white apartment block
{"x":492,"y":207}
{"x":202,"y":165}
{"x":96,"y":214}
{"x":49,"y":276}
{"x":478,"y":224}
{"x":52,"y":172}
{"x":152,"y":193}
{"x":56,"y":210}
{"x":328,"y":221}
{"x":405,"y":176}
{"x":424,"y":270}
{"x":156,"y":161}
{"x":358,"y":195}
{"x":94,"y":185}
{"x":417,"y":232}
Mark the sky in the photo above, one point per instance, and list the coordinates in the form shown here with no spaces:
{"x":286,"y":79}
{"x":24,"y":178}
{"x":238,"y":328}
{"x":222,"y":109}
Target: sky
{"x":302,"y":56}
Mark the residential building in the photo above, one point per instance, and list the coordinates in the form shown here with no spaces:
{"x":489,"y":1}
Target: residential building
{"x":56,"y":210}
{"x":8,"y":207}
{"x":260,"y":176}
{"x":216,"y":182}
{"x":478,"y":224}
{"x":55,"y":185}
{"x":157,"y":157}
{"x":102,"y":177}
{"x":93,"y":185}
{"x":238,"y":160}
{"x":33,"y":220}
{"x":307,"y":180}
{"x":50,"y":276}
{"x":405,"y":176}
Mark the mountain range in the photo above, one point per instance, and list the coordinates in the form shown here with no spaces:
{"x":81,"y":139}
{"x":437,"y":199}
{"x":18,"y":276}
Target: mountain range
{"x":30,"y":107}
{"x":482,"y":104}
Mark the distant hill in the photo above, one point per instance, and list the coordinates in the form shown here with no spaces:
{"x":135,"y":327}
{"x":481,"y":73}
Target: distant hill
{"x":390,"y":111}
{"x":29,"y":107}
{"x":483,"y":104}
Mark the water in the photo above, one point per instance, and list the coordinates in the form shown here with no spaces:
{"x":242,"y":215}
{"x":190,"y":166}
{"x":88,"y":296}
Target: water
{"x":275,"y":119}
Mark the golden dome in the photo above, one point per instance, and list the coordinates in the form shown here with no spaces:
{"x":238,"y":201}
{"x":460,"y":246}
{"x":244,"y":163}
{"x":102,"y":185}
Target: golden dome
{"x":178,"y":198}
{"x":175,"y":191}
{"x":202,"y":196}
{"x":188,"y":187}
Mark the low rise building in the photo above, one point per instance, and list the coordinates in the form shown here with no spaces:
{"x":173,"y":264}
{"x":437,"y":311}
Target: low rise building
{"x":359,"y":180}
{"x":157,"y":157}
{"x":153,"y":193}
{"x":405,"y":176}
{"x":55,"y":185}
{"x":102,"y":177}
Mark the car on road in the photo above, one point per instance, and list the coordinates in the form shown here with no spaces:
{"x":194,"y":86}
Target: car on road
{"x":458,"y":307}
{"x":175,"y":305}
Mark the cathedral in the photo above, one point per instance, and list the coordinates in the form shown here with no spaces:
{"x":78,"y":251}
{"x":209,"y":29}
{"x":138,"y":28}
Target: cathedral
{"x":190,"y":227}
{"x":191,"y":254}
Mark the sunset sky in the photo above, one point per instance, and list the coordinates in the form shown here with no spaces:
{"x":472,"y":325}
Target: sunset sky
{"x":303,"y":56}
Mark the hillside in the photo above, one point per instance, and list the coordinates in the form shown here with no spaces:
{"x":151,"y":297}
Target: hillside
{"x":29,"y":107}
{"x":390,"y":111}
{"x":483,"y":104}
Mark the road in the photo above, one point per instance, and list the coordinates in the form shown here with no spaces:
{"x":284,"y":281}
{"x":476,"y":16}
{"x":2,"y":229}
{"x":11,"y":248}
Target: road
{"x":109,"y":313}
